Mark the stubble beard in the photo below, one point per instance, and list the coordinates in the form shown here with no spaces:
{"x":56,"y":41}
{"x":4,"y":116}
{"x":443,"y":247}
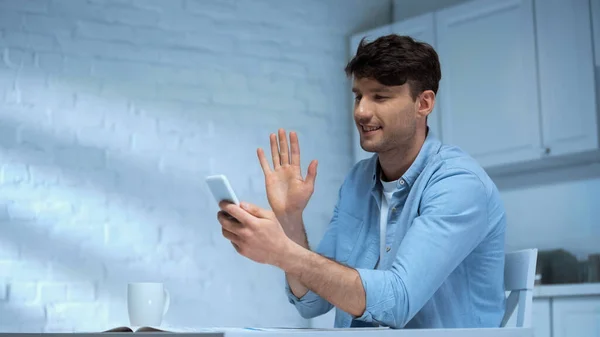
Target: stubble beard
{"x":399,"y":142}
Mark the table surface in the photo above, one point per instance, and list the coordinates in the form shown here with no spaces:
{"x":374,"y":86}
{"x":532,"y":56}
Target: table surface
{"x":354,"y":332}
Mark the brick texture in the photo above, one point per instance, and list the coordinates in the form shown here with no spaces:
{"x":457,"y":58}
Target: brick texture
{"x":112,"y":112}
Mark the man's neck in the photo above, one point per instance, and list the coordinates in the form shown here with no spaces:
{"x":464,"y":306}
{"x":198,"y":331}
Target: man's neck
{"x":394,"y":163}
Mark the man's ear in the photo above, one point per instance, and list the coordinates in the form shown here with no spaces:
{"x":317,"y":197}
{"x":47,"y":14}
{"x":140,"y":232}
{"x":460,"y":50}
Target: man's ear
{"x":426,"y":102}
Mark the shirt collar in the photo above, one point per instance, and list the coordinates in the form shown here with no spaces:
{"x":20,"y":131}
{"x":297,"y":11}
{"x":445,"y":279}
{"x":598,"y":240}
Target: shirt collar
{"x":430,"y":147}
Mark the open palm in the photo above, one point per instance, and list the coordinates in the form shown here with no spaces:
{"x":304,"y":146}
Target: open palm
{"x":287,"y":191}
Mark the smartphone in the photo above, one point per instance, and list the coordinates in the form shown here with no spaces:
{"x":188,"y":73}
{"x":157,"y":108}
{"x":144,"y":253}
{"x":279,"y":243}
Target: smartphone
{"x":221,"y":189}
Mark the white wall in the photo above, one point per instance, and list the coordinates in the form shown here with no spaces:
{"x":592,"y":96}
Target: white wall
{"x":111,"y":114}
{"x":555,"y":209}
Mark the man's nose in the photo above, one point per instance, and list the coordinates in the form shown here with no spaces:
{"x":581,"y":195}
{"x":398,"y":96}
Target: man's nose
{"x":363,"y":110}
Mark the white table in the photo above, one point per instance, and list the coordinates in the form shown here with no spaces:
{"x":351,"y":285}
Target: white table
{"x":355,"y":332}
{"x":366,"y":332}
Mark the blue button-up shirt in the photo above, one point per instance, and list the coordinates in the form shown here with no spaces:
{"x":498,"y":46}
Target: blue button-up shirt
{"x":446,"y":226}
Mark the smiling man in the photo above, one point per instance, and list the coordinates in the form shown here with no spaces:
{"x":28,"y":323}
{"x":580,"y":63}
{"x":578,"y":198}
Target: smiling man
{"x":417,"y":234}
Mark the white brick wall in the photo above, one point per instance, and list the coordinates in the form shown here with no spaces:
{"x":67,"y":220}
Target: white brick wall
{"x":111,"y":114}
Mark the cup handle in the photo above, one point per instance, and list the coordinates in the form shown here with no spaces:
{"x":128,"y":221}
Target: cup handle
{"x":167,"y":302}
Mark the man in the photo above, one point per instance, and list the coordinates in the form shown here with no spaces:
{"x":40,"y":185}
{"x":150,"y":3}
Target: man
{"x":417,"y":235}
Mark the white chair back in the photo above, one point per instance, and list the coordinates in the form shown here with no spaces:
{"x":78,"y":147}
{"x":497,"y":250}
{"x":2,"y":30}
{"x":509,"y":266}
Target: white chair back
{"x":519,"y":279}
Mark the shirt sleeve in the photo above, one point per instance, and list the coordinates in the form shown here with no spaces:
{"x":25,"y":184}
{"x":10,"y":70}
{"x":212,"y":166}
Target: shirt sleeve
{"x":311,"y":305}
{"x":453,"y":221}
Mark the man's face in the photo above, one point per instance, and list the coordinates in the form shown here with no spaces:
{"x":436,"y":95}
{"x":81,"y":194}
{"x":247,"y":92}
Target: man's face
{"x":386,"y":116}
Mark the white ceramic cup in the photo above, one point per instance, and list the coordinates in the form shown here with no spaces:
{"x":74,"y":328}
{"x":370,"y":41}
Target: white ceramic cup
{"x":147,"y":303}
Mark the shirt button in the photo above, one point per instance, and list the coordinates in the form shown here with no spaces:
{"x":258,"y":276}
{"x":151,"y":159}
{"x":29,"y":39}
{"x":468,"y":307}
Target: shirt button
{"x":401,"y":181}
{"x":393,"y":209}
{"x":387,"y":249}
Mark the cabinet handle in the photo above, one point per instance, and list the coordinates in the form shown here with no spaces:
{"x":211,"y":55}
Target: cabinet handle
{"x":547,"y":150}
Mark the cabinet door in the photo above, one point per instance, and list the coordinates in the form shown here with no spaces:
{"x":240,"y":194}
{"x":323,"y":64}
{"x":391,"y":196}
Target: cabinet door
{"x":489,"y":92}
{"x":577,"y":316}
{"x":567,"y":80}
{"x":540,"y":318}
{"x":422,"y":28}
{"x":358,"y":152}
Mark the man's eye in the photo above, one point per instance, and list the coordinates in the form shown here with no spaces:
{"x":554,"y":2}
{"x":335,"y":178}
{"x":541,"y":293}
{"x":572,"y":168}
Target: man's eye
{"x":377,"y":97}
{"x":357,"y":98}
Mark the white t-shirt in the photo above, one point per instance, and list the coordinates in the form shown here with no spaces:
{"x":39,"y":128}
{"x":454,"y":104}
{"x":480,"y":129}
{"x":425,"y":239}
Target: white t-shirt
{"x":388,"y":189}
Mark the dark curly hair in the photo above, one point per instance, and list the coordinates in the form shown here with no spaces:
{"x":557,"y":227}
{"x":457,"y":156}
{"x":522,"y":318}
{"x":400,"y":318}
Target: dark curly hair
{"x":395,"y":60}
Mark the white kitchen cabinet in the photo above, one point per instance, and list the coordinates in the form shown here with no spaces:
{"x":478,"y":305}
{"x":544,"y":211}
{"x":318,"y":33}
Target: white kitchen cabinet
{"x":541,"y":318}
{"x":566,"y":310}
{"x":516,"y":86}
{"x":566,"y":76}
{"x":489,"y":86}
{"x":577,"y":316}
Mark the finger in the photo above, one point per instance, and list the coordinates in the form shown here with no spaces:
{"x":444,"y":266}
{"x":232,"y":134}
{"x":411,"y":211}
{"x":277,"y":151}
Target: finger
{"x":274,"y":151}
{"x":263,"y":161}
{"x":230,"y":236}
{"x":311,"y":175}
{"x":228,"y":223}
{"x":223,"y":212}
{"x":255,"y":210}
{"x":243,"y":217}
{"x":283,"y":148}
{"x":295,"y":148}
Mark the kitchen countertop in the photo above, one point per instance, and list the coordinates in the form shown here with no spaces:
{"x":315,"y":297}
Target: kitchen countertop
{"x":565,"y":290}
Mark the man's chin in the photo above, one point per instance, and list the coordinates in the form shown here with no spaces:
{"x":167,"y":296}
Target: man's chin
{"x":372,"y":148}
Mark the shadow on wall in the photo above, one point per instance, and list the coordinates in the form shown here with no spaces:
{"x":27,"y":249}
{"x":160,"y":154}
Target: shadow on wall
{"x":116,"y":137}
{"x":119,"y":129}
{"x":174,"y":228}
{"x":201,"y":96}
{"x":136,"y":145}
{"x":142,"y":185}
{"x":118,"y":182}
{"x":112,"y":171}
